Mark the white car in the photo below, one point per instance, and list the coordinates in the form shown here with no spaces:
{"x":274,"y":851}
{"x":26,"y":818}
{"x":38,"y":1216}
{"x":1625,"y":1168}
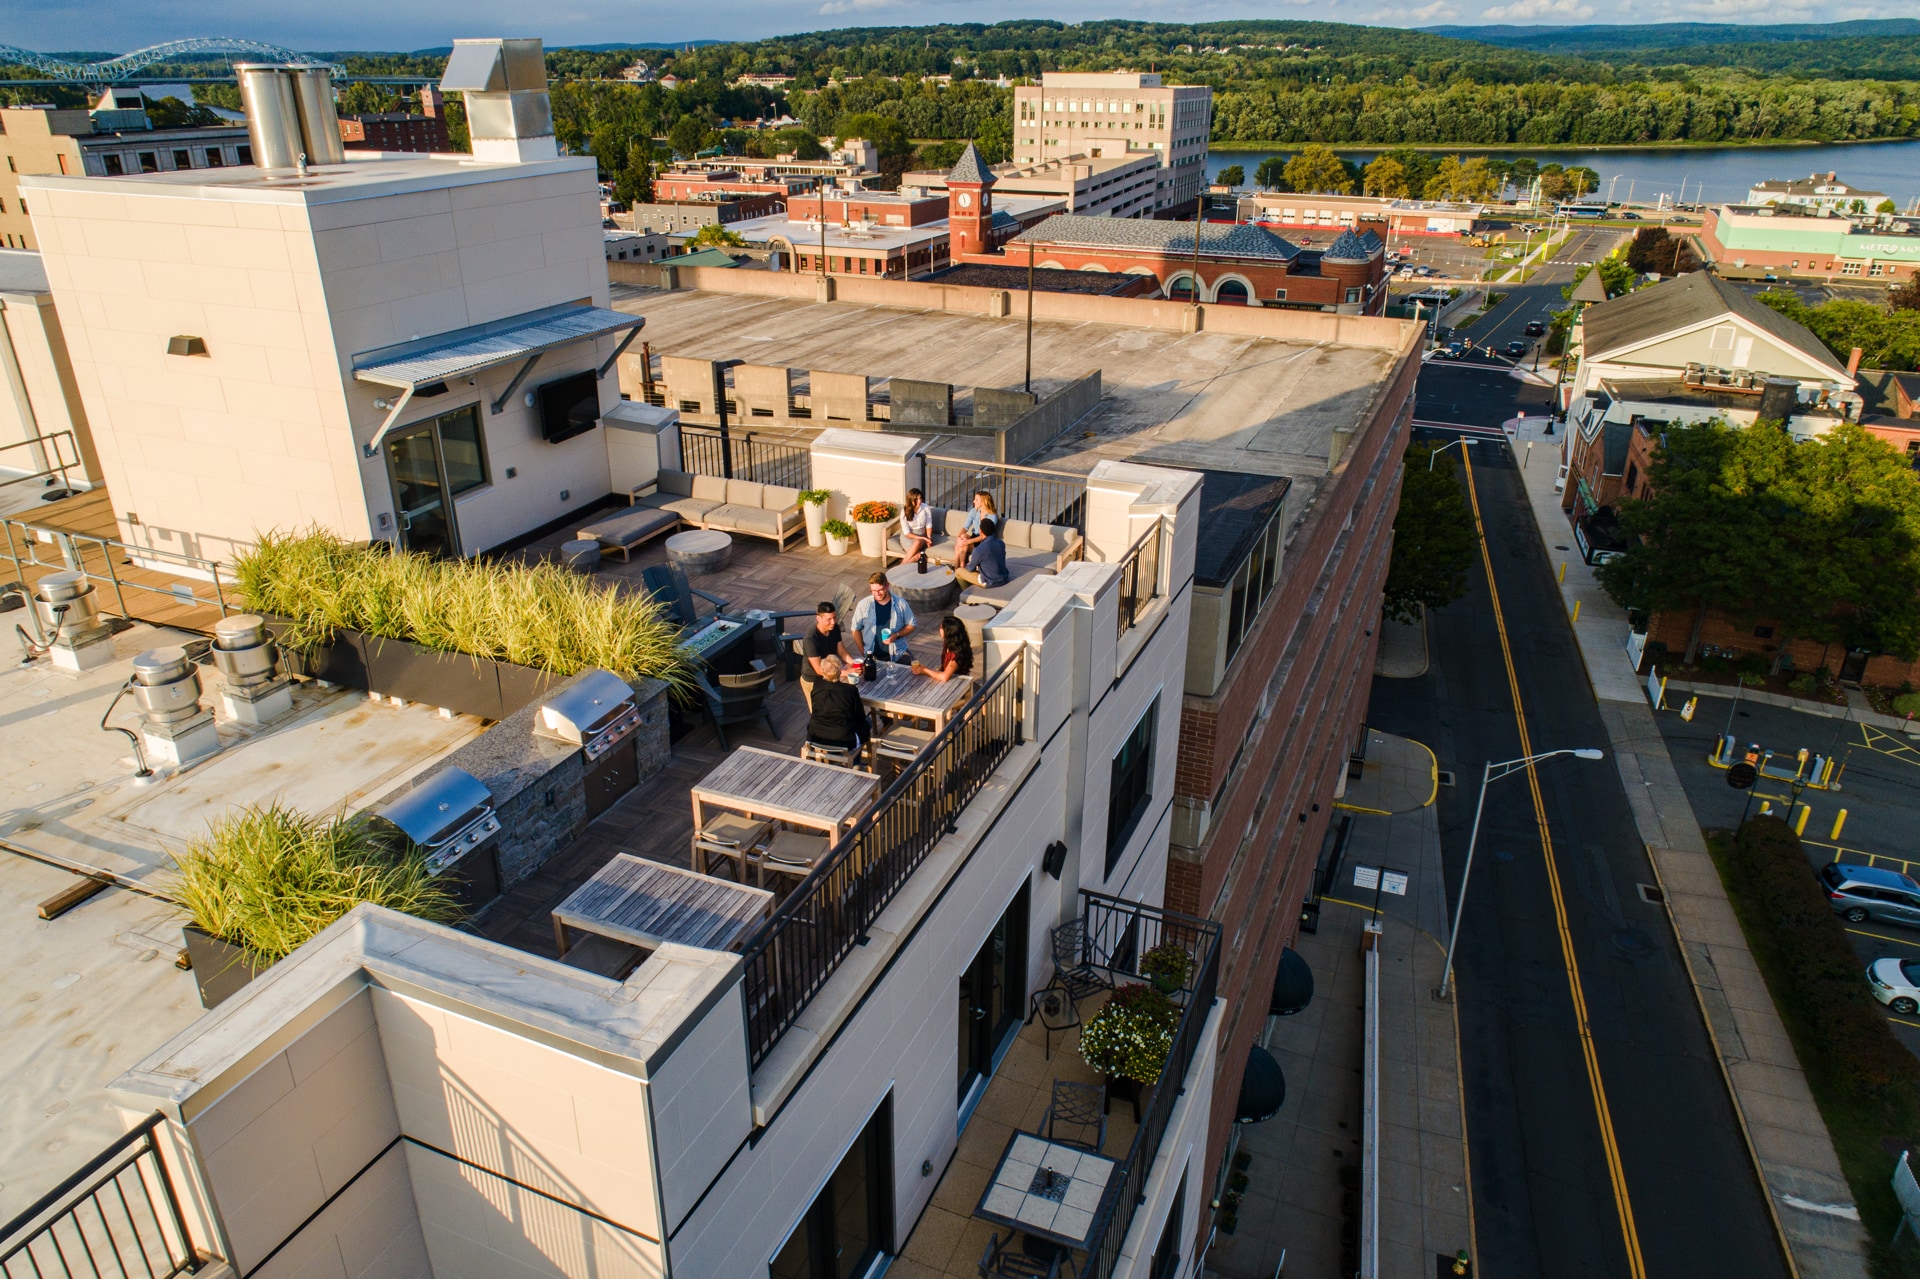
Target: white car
{"x":1896,"y":983}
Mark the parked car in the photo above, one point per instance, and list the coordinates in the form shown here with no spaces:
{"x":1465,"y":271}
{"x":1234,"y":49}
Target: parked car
{"x":1896,"y":983}
{"x":1860,"y":893}
{"x":1517,"y":348}
{"x":1536,"y":329}
{"x":1454,"y":351}
{"x":1628,"y":215}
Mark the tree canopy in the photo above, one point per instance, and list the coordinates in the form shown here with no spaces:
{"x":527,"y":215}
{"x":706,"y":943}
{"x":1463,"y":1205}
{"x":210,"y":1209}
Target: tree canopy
{"x":1888,"y":336}
{"x":1319,"y":171}
{"x":1433,"y":538}
{"x":1820,"y":538}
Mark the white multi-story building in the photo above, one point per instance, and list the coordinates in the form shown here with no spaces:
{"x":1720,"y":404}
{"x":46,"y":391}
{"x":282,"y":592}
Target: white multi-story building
{"x":1107,"y":114}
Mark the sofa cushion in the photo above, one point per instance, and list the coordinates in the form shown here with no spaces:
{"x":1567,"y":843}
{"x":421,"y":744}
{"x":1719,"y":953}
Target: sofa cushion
{"x":776,"y":498}
{"x":710,"y":488}
{"x":635,"y":524}
{"x":691,"y":509}
{"x":942,"y":552}
{"x":1057,"y":538}
{"x":956,"y":523}
{"x":744,"y":493}
{"x":1023,"y":561}
{"x":1015,"y":533}
{"x":739,"y":518}
{"x":676,"y":483}
{"x":1002,"y":596}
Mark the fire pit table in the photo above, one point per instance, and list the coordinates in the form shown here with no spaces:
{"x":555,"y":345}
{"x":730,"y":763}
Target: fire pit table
{"x":932,"y":591}
{"x":701,"y":550}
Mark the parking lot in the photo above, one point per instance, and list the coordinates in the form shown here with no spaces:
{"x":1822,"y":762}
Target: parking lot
{"x":1878,"y":785}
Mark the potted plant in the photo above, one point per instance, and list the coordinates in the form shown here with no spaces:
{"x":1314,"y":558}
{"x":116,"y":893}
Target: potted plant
{"x":813,"y":505}
{"x":1167,"y":966}
{"x":265,"y":879}
{"x":873,"y":520}
{"x":838,"y":534}
{"x":1128,"y":1040}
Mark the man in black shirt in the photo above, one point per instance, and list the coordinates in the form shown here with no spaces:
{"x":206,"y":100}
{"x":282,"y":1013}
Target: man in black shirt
{"x":823,"y":641}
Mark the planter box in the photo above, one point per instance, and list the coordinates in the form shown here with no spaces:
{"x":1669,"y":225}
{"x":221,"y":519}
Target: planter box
{"x":469,"y":685}
{"x":220,"y":968}
{"x":342,"y":662}
{"x":523,"y":685}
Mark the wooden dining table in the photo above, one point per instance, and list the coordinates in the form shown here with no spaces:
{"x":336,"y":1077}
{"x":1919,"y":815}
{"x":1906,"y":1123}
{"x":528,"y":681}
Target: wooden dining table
{"x":762,"y":783}
{"x":896,"y":690}
{"x":647,"y":904}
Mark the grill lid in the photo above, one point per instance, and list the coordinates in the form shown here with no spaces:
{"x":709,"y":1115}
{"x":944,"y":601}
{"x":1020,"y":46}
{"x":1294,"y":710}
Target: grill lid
{"x":439,"y":807}
{"x":585,"y":707}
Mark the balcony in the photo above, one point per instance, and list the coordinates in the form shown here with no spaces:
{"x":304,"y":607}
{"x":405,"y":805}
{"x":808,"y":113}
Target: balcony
{"x":951,"y":1237}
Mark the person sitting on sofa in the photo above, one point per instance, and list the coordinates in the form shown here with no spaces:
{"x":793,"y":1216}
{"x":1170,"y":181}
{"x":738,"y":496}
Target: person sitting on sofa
{"x":839,"y":718}
{"x":916,"y":527}
{"x":989,"y":558}
{"x":970,"y":535}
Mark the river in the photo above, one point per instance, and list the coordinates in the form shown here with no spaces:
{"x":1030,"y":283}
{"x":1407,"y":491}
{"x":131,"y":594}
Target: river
{"x":1715,"y":174}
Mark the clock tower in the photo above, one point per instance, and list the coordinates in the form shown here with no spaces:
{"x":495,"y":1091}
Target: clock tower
{"x":969,"y":206}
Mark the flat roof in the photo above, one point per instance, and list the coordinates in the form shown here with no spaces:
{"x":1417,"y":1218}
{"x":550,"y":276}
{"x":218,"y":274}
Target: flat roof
{"x":1234,"y":511}
{"x":801,"y":233}
{"x":21,"y":271}
{"x":1199,"y":401}
{"x":364,"y":176}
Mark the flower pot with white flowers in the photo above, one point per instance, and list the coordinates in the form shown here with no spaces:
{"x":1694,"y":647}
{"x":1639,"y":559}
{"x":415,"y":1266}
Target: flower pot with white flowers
{"x":1130,"y":1040}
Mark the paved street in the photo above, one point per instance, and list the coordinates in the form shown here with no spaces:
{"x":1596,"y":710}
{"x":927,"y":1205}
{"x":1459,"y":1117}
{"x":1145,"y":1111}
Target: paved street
{"x":1620,"y":1154}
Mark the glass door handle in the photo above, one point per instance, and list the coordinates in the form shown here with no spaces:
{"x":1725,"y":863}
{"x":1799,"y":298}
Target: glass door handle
{"x":979,"y":1014}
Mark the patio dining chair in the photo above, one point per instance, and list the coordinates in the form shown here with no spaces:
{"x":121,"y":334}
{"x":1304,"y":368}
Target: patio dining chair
{"x":1073,"y":967}
{"x":1004,"y":1261}
{"x":667,"y":585}
{"x":792,"y":852}
{"x":1077,"y":1116}
{"x":738,"y":699}
{"x":839,"y":756}
{"x":731,"y":836}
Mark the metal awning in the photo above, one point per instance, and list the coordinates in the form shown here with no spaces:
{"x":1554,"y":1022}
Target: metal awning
{"x":429,"y":362}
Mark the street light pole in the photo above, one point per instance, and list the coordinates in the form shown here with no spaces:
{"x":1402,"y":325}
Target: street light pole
{"x":1461,"y":440}
{"x":1488,"y":774}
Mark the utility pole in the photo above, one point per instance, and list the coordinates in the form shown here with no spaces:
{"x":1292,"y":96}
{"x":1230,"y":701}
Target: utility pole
{"x":1199,"y":216}
{"x":1029,"y":383}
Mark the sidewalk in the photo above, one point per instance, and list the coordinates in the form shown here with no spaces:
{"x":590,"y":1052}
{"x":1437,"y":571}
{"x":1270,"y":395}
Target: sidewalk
{"x":1298,"y":1204}
{"x":1809,"y":1197}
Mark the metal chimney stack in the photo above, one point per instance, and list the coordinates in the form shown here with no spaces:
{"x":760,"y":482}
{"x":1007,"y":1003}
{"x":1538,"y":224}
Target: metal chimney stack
{"x":290,"y":115}
{"x":509,"y":115}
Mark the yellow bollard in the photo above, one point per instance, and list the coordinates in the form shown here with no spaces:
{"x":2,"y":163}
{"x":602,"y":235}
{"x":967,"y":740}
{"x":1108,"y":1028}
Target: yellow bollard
{"x":1563,"y":572}
{"x":1766,"y":806}
{"x":1839,"y":820}
{"x":1576,"y":610}
{"x":1800,"y":825}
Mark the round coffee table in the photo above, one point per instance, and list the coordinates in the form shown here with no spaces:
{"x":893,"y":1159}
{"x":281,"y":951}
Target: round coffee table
{"x":700,"y":550}
{"x":933,"y":590}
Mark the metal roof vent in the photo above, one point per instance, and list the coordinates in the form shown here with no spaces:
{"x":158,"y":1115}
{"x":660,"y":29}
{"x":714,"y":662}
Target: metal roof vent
{"x":509,"y":115}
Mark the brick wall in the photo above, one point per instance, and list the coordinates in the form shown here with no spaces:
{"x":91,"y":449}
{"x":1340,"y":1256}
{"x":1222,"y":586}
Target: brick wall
{"x":1724,"y":632}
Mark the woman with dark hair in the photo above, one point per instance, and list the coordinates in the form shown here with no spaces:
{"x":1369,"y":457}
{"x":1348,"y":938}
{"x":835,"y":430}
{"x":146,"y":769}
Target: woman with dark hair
{"x":956,"y":653}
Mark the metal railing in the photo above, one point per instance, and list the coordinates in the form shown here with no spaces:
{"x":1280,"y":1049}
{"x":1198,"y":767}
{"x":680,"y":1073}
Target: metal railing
{"x":828,"y":913}
{"x":30,"y":545}
{"x":1019,"y":492}
{"x":1140,"y":576}
{"x":763,"y":461}
{"x":119,"y":1215}
{"x":1118,"y":933}
{"x":48,"y":454}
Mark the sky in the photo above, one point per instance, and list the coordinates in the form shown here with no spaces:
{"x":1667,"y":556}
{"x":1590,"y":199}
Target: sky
{"x":119,"y":26}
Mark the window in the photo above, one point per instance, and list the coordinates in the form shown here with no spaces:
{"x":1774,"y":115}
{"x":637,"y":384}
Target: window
{"x":1132,"y":784}
{"x":1353,"y":295}
{"x":1721,"y":339}
{"x":182,"y":158}
{"x":114,"y":168}
{"x":149,"y":162}
{"x":1166,"y":1254}
{"x":463,"y":449}
{"x":1633,"y":474}
{"x":846,"y":1230}
{"x":1279,"y":295}
{"x":245,"y":152}
{"x":1849,"y":268}
{"x":214,"y":159}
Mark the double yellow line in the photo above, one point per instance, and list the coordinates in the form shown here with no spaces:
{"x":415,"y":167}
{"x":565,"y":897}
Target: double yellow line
{"x":1637,"y":1266}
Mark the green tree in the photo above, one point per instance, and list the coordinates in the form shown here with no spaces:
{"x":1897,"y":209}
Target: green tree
{"x":1233,"y":175}
{"x":1317,"y":169}
{"x":1615,"y":274}
{"x":1888,"y":336}
{"x":172,"y":113}
{"x":1654,"y":251}
{"x":1905,"y":297}
{"x":715,"y":236}
{"x":1271,"y":175}
{"x":1886,"y":206}
{"x":686,"y":135}
{"x":633,"y":184}
{"x":364,"y":98}
{"x":1387,"y":177}
{"x":1582,"y":179}
{"x":886,"y":133}
{"x":1433,"y":538}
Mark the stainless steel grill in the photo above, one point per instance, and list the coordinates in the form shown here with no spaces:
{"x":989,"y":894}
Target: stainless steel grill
{"x":595,"y":712}
{"x":448,"y":816}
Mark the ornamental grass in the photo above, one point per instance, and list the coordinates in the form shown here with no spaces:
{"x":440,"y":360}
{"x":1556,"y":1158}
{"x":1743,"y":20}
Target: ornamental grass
{"x":1132,"y":1036}
{"x":538,"y":615}
{"x":268,"y":878}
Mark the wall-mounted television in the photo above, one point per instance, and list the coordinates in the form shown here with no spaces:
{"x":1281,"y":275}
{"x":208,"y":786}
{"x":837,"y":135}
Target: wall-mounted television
{"x":569,"y":406}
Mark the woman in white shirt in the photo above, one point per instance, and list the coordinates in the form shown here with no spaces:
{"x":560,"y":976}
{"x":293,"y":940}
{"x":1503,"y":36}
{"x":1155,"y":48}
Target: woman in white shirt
{"x":916,"y":527}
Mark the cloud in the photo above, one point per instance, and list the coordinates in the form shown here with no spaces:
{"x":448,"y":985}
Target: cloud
{"x":863,"y":6}
{"x":1525,"y":10}
{"x":1435,"y":11}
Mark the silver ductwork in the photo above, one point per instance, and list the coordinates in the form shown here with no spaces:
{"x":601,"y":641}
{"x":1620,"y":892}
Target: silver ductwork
{"x":290,"y":115}
{"x":509,"y":115}
{"x":68,"y":609}
{"x":242,"y":651}
{"x":166,"y":686}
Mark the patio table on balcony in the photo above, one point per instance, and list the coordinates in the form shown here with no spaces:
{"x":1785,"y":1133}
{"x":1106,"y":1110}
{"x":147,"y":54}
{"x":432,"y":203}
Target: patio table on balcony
{"x":648,"y":904}
{"x":896,"y":690}
{"x":764,"y":783}
{"x":1061,"y":1208}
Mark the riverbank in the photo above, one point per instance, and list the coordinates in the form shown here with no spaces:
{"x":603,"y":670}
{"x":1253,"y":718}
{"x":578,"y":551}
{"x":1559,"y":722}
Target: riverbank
{"x":1580,"y":148}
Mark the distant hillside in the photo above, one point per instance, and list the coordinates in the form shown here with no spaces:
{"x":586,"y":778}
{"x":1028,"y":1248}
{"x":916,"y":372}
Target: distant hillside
{"x":1605,"y":39}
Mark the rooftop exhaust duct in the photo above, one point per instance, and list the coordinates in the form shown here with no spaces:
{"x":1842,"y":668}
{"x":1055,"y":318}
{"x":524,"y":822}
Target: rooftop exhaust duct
{"x":509,"y":116}
{"x":291,"y":121}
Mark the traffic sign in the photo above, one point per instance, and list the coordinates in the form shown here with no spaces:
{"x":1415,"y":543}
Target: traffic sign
{"x":1366,"y":877}
{"x":1394,"y":882}
{"x":1742,"y":775}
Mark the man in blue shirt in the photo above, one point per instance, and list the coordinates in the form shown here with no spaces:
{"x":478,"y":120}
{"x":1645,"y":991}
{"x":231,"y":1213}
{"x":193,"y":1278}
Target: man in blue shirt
{"x":883,"y":621}
{"x":988,"y":563}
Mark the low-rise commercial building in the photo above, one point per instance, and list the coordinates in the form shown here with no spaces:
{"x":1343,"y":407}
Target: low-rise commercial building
{"x":395,"y":131}
{"x":1405,"y":217}
{"x":1789,"y":240}
{"x":1120,"y":185}
{"x":1821,"y":192}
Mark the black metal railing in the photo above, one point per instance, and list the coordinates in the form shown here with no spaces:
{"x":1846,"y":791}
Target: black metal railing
{"x":119,"y":1215}
{"x":753,"y":457}
{"x":829,"y":912}
{"x":1140,"y":576}
{"x":1019,"y":492}
{"x":1118,"y":933}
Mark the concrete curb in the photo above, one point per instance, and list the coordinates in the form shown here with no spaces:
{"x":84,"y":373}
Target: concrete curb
{"x":1826,"y":710}
{"x":1807,"y":1193}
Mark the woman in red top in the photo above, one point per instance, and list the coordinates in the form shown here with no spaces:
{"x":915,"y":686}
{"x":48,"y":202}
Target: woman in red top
{"x":956,"y":653}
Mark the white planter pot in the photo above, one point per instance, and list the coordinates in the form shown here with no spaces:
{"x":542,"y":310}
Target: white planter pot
{"x":835,"y":545}
{"x":873,"y":539}
{"x":816,"y":515}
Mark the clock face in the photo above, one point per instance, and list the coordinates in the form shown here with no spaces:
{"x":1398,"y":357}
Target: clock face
{"x":966,"y":200}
